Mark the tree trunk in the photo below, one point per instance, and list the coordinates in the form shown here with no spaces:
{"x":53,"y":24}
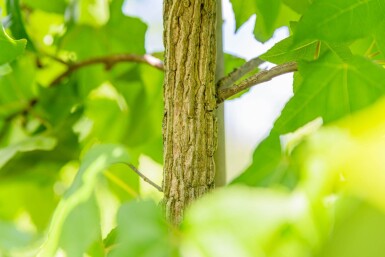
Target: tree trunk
{"x":190,"y":123}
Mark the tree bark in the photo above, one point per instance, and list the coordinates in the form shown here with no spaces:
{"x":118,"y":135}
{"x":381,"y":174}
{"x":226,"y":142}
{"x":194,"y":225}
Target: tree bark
{"x":190,"y":122}
{"x":220,"y":155}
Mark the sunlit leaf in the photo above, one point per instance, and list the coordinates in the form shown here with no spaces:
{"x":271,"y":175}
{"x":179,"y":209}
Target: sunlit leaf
{"x":300,"y":6}
{"x":332,"y":88}
{"x":267,"y":15}
{"x":260,"y":222}
{"x":339,"y":21}
{"x":355,"y":220}
{"x":283,"y":52}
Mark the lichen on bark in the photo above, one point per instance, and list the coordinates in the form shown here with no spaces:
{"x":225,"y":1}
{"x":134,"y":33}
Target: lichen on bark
{"x":190,"y":123}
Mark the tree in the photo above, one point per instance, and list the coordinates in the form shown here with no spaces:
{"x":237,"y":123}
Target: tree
{"x":75,"y":86}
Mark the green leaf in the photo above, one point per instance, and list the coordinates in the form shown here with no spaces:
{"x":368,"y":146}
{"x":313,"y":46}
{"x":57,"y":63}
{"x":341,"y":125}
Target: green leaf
{"x":30,"y":144}
{"x":339,"y":21}
{"x":269,"y":166}
{"x":12,"y":238}
{"x":85,"y":40}
{"x":379,"y":38}
{"x":354,"y":221}
{"x":142,"y":231}
{"x":331,"y":89}
{"x":76,"y":224}
{"x":283,"y":51}
{"x":232,"y":62}
{"x":57,"y":6}
{"x":251,"y":222}
{"x":10,"y":49}
{"x":300,"y":6}
{"x":267,"y":15}
{"x":30,"y":193}
{"x":17,"y":24}
{"x":5,"y":69}
{"x":18,"y":88}
{"x":91,"y":12}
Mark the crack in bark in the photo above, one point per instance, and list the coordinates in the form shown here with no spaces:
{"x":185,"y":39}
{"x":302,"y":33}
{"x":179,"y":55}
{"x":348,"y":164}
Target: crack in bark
{"x":189,"y":127}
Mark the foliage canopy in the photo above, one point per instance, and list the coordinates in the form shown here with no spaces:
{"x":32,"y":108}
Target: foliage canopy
{"x":76,"y":108}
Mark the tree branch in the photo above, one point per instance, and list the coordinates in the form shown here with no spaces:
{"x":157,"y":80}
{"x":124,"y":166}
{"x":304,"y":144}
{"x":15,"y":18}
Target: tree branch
{"x":109,"y":62}
{"x":258,"y":78}
{"x":238,"y":73}
{"x":144,"y":177}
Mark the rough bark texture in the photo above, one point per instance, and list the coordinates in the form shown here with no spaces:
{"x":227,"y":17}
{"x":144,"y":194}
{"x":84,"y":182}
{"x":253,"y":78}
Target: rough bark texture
{"x":190,"y":126}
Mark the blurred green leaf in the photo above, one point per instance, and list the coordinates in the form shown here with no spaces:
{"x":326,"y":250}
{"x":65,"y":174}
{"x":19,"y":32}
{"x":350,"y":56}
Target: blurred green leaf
{"x":355,"y":221}
{"x":5,"y":69}
{"x":57,"y":6}
{"x":30,"y":144}
{"x":142,"y":231}
{"x":12,"y":238}
{"x":91,"y":12}
{"x":77,"y":213}
{"x":16,"y":22}
{"x":261,"y":222}
{"x":11,"y":49}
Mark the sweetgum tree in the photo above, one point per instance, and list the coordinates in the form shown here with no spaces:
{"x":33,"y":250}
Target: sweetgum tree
{"x":81,"y":101}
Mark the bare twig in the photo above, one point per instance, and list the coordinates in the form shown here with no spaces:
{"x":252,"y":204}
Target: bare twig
{"x":238,"y":73}
{"x":144,"y":177}
{"x":109,"y":62}
{"x":258,"y":78}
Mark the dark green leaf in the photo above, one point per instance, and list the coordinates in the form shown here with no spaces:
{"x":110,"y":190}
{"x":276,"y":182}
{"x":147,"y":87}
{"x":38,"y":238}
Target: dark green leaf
{"x":17,"y":24}
{"x":270,"y":166}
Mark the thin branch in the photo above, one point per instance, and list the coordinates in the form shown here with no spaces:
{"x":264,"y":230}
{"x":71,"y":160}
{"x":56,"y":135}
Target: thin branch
{"x":144,"y":177}
{"x":109,"y":62}
{"x":238,"y":73}
{"x":258,"y":78}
